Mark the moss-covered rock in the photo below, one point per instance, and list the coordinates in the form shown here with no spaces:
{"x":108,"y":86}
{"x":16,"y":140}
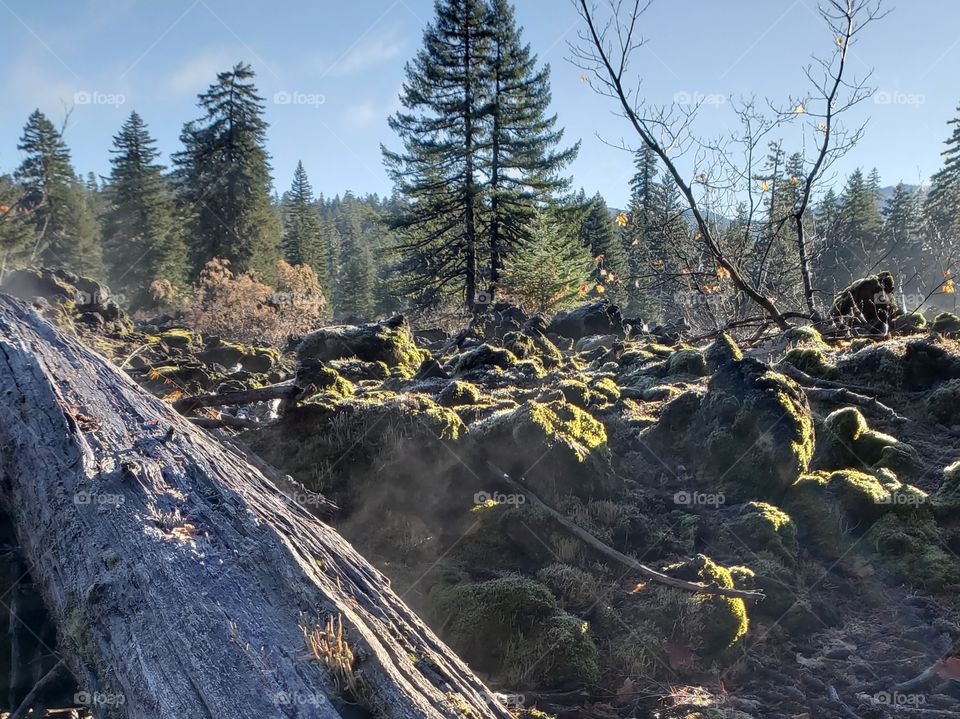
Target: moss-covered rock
{"x":752,"y":431}
{"x":483,"y":357}
{"x":720,"y":351}
{"x":359,"y":371}
{"x":910,"y":323}
{"x":687,"y":361}
{"x":946,"y":323}
{"x":514,"y":629}
{"x":847,"y":442}
{"x":946,"y":500}
{"x":944,"y":402}
{"x":577,"y":590}
{"x":390,"y":342}
{"x":913,"y":552}
{"x":804,"y":336}
{"x":229,"y":354}
{"x":762,"y":527}
{"x":710,"y":623}
{"x":555,"y":446}
{"x":458,"y":393}
{"x":811,"y":360}
{"x":178,"y":337}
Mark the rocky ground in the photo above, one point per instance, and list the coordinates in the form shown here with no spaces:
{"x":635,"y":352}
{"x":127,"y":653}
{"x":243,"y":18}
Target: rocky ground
{"x":823,"y":472}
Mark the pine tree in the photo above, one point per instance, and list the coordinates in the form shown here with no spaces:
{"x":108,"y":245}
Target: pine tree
{"x":638,"y":235}
{"x":551,"y":267}
{"x":356,"y":280}
{"x":599,"y":234}
{"x":854,"y":245}
{"x":442,"y":127}
{"x":142,"y":235}
{"x":902,"y":239}
{"x":942,"y":206}
{"x":16,"y":233}
{"x":224,"y":177}
{"x":521,"y":156}
{"x":66,"y":233}
{"x":303,"y":240}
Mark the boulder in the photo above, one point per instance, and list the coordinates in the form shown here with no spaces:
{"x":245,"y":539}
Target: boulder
{"x":390,"y":342}
{"x":555,"y":446}
{"x":750,"y":435}
{"x":599,"y":318}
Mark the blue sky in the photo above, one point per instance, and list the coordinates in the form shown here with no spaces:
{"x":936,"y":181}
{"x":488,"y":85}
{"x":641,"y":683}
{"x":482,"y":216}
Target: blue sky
{"x":339,"y":67}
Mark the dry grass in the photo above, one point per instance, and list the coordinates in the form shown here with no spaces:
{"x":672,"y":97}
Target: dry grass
{"x":328,"y":645}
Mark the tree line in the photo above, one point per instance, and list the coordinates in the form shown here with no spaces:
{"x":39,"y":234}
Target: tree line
{"x":481,"y":209}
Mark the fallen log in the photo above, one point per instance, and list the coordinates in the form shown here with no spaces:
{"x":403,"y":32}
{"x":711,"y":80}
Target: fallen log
{"x":183,"y":583}
{"x":284,"y":391}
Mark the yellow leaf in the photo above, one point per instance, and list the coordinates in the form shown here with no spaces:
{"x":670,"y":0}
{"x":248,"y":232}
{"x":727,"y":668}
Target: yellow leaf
{"x":600,"y":289}
{"x":794,"y":180}
{"x":800,"y":109}
{"x":822,"y":127}
{"x":764,"y":186}
{"x":840,"y":42}
{"x":622,"y":219}
{"x":583,"y":78}
{"x":582,"y":290}
{"x":723,"y":272}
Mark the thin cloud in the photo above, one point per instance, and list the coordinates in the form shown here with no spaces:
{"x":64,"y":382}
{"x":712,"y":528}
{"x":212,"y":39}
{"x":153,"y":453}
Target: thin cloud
{"x":367,"y":53}
{"x":201,"y":71}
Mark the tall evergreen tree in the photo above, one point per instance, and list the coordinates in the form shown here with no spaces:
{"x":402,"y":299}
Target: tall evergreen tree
{"x":224,"y":177}
{"x":303,"y":241}
{"x":66,"y":233}
{"x":356,"y":281}
{"x":599,"y":234}
{"x":902,"y":239}
{"x":142,"y":235}
{"x":441,"y":126}
{"x":854,"y":245}
{"x":521,"y":156}
{"x":16,"y":233}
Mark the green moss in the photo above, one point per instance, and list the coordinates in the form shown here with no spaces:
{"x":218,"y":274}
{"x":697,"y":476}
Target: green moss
{"x":554,"y":445}
{"x":811,"y":360}
{"x":657,"y":350}
{"x":762,"y":527}
{"x":711,"y":623}
{"x":576,"y":392}
{"x":946,"y":500}
{"x":806,"y":336}
{"x":458,"y":393}
{"x":531,"y":368}
{"x":912,"y":551}
{"x":177,"y":337}
{"x":722,"y":350}
{"x":606,"y":388}
{"x":484,"y":356}
{"x":520,"y":344}
{"x":848,"y":442}
{"x":910,"y":321}
{"x":687,"y":361}
{"x":946,"y":323}
{"x":576,"y":589}
{"x":944,"y":402}
{"x":514,"y":628}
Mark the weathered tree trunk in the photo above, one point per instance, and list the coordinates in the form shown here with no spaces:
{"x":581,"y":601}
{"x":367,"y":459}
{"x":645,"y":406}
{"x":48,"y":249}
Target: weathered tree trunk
{"x":179,"y":576}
